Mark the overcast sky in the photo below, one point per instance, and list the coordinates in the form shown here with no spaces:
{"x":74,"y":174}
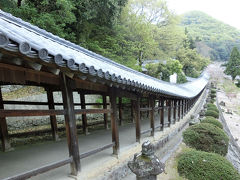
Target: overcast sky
{"x":226,"y":11}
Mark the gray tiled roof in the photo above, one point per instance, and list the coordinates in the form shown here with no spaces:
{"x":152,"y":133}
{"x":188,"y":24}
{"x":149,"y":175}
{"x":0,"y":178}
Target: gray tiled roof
{"x":17,"y":35}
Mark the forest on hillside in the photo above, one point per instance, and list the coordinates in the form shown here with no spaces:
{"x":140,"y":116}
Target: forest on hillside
{"x":214,"y":38}
{"x":126,"y":31}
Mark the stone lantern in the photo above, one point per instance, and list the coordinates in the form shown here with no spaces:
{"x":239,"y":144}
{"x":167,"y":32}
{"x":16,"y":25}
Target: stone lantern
{"x":146,"y":165}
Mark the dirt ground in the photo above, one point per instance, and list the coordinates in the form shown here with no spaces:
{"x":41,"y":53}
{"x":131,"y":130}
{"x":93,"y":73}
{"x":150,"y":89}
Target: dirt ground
{"x":230,"y":95}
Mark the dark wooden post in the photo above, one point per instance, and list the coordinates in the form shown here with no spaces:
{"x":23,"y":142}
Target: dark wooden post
{"x":162,"y":114}
{"x":132,"y":111}
{"x":185,"y":107}
{"x":53,"y":118}
{"x":141,"y":105}
{"x":104,"y":97}
{"x":84,"y":116}
{"x":169,"y":112}
{"x":174,"y":111}
{"x":136,"y":114}
{"x":70,"y":121}
{"x":120,"y":110}
{"x":6,"y":146}
{"x":179,"y":110}
{"x":152,"y":105}
{"x":114,"y":124}
{"x":182,"y":107}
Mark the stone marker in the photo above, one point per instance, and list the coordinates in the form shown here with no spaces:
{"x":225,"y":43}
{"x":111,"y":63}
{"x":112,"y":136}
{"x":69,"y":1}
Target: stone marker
{"x":146,"y":165}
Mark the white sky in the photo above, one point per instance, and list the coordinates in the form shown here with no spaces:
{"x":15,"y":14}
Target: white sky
{"x":227,"y":11}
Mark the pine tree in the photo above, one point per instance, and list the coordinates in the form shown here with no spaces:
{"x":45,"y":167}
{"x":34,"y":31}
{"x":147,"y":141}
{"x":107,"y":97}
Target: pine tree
{"x":233,"y":64}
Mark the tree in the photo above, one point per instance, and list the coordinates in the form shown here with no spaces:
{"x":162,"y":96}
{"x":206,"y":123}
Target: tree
{"x":233,"y":64}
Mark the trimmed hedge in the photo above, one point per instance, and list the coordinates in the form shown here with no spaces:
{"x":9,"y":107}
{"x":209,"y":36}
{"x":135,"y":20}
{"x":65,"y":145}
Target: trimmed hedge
{"x":212,"y":100}
{"x":213,"y":121}
{"x":211,"y":105}
{"x":213,"y":96}
{"x":213,"y":91}
{"x":198,"y":165}
{"x":212,"y":113}
{"x":213,"y":109}
{"x":206,"y":137}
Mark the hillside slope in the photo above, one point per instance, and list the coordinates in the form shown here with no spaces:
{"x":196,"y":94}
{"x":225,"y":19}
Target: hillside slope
{"x":218,"y":36}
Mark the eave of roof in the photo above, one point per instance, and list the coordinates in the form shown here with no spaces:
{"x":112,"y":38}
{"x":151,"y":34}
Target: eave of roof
{"x":19,"y":36}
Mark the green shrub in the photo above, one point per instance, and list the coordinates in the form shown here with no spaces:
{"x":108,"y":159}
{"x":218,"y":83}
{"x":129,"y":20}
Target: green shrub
{"x":206,"y":137}
{"x":198,"y":165}
{"x":213,"y":121}
{"x":213,"y":91}
{"x":212,"y":100}
{"x":213,"y":96}
{"x":213,"y":109}
{"x":211,"y":105}
{"x":212,"y":113}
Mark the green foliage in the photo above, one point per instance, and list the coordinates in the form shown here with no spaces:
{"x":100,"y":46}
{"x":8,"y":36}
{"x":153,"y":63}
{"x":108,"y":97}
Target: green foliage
{"x":213,"y":91}
{"x":212,"y":96}
{"x":212,"y":100}
{"x":213,"y":109}
{"x":213,"y":121}
{"x":211,"y":105}
{"x":197,"y":165}
{"x":206,"y":137}
{"x":163,"y":71}
{"x":219,"y":38}
{"x":212,"y":113}
{"x":192,"y":62}
{"x":232,"y":66}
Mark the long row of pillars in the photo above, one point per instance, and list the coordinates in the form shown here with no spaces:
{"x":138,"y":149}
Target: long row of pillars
{"x":70,"y":119}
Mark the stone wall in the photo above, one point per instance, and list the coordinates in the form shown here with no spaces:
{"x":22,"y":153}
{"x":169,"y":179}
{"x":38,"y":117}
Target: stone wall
{"x":15,"y":123}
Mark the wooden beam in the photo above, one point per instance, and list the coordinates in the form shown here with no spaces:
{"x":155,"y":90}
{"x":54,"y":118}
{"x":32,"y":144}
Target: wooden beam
{"x":19,"y":113}
{"x":162,"y":114}
{"x":104,"y":97}
{"x":114,"y":124}
{"x":122,"y":93}
{"x":136,"y":115}
{"x":84,"y":116}
{"x":120,"y":110}
{"x":19,"y":75}
{"x":53,"y":118}
{"x":6,"y":146}
{"x":90,"y":86}
{"x":92,"y":111}
{"x":152,"y":121}
{"x":70,"y":121}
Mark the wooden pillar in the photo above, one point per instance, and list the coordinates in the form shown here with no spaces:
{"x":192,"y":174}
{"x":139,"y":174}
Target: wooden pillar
{"x":132,"y":111}
{"x":179,"y":110}
{"x":70,"y":122}
{"x":169,"y":112}
{"x":53,"y":118}
{"x":174,"y":111}
{"x":185,"y":107}
{"x":6,"y":146}
{"x":151,"y":112}
{"x":136,"y":114}
{"x":120,"y":110}
{"x":162,"y":114}
{"x":114,"y":124}
{"x":182,"y":107}
{"x":141,"y":105}
{"x":104,"y":97}
{"x":84,"y":116}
